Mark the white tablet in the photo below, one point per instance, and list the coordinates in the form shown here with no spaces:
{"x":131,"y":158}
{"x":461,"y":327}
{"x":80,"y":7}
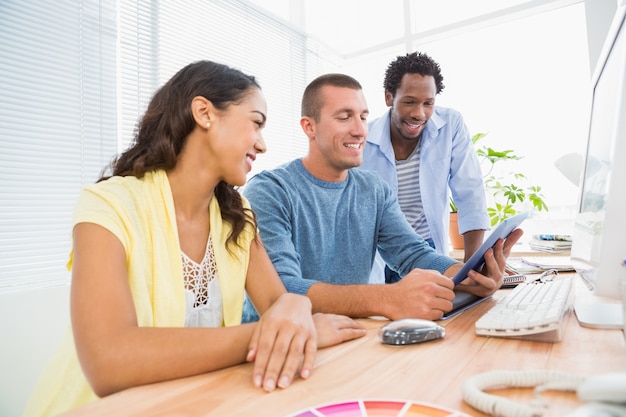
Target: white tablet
{"x":477,"y":260}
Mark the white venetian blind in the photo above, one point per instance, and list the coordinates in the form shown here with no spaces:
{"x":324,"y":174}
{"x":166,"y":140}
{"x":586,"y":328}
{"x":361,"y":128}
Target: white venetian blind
{"x":159,"y":38}
{"x":75,"y":76}
{"x":57,"y":128}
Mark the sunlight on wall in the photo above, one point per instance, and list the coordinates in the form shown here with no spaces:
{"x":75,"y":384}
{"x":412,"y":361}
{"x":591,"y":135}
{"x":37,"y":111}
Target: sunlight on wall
{"x":523,"y":83}
{"x":528,"y":88}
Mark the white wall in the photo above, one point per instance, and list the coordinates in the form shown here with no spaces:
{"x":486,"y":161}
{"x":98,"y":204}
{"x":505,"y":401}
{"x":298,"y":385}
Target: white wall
{"x":509,"y":81}
{"x":32,"y":324}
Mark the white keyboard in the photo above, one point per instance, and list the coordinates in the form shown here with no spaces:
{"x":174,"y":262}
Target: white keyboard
{"x":533,"y":311}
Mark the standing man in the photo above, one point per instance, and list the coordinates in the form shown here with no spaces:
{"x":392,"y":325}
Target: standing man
{"x":421,"y":151}
{"x":322,"y":222}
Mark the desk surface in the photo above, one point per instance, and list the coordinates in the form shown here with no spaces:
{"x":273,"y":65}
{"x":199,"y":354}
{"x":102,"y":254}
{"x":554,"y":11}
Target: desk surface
{"x":431,"y":372}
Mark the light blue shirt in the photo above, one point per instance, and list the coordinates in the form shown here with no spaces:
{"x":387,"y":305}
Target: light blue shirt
{"x":318,"y":231}
{"x":448,"y":163}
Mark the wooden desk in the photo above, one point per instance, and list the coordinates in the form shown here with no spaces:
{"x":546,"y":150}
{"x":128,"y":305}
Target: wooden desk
{"x":431,"y":372}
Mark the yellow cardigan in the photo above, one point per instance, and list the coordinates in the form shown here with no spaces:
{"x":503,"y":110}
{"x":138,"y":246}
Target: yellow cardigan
{"x":140,"y":212}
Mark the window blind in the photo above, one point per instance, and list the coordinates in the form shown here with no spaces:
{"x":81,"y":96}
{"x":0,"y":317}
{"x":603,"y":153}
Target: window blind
{"x":234,"y":33}
{"x":57,"y":119}
{"x":75,"y":77}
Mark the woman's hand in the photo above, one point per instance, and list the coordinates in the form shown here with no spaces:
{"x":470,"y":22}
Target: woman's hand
{"x":284,"y":340}
{"x":333,"y":329}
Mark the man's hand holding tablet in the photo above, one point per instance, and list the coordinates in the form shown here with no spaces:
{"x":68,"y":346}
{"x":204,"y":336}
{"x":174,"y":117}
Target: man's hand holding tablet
{"x":463,"y":298}
{"x":477,"y":260}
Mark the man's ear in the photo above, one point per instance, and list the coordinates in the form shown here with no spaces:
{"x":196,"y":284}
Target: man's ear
{"x":308,"y":126}
{"x":388,"y":98}
{"x":202,"y":111}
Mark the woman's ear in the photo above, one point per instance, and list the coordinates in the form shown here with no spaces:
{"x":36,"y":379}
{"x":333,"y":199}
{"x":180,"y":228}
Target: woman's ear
{"x":203,"y":111}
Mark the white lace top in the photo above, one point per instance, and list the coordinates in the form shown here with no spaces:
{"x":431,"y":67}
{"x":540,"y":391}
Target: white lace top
{"x":203,"y":296}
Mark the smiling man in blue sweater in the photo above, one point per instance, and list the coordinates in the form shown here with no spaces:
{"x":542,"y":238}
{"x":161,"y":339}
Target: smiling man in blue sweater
{"x":322,"y":222}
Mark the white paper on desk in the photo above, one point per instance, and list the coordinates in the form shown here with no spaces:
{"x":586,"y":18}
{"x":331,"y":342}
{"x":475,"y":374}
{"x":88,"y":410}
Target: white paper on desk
{"x":550,"y":245}
{"x":560,"y":263}
{"x":516,"y":264}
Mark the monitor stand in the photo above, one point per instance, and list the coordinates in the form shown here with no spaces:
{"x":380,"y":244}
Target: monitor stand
{"x":598,"y":315}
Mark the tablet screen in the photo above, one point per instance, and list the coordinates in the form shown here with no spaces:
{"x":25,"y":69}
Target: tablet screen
{"x":477,"y":260}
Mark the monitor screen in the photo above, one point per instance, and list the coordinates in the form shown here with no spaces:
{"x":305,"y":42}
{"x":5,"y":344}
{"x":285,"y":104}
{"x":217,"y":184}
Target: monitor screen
{"x":599,"y":243}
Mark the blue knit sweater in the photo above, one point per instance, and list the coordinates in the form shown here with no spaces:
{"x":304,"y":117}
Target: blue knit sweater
{"x":324,"y":231}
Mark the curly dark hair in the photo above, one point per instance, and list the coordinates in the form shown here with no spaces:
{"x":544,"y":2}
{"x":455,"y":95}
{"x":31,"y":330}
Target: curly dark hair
{"x":413,"y":63}
{"x":163,"y":130}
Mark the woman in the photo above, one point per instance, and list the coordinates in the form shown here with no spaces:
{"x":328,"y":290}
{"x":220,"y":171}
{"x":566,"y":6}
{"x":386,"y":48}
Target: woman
{"x":166,"y":243}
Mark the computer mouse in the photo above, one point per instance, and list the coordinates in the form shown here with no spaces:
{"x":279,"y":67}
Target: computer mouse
{"x":410,"y":331}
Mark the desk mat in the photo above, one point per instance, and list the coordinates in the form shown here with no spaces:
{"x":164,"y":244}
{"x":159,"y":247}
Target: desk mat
{"x":378,"y":408}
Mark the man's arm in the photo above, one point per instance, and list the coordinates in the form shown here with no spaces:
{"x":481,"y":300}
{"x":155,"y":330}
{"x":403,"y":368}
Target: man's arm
{"x":399,"y":245}
{"x":421,"y":294}
{"x":351,"y":300}
{"x":467,"y":187}
{"x":472,"y":240}
{"x":271,"y":202}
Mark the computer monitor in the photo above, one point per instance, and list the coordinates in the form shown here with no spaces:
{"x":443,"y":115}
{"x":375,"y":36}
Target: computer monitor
{"x":599,"y":237}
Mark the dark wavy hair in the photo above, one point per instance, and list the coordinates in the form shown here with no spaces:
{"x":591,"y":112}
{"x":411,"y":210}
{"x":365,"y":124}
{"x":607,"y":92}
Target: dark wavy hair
{"x":413,"y":63}
{"x":163,"y":130}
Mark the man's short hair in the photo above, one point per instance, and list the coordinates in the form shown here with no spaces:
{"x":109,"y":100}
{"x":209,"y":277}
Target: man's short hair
{"x":312,"y":100}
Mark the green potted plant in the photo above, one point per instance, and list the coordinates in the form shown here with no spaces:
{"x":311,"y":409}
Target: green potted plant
{"x":507,"y":195}
{"x":511,"y":191}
